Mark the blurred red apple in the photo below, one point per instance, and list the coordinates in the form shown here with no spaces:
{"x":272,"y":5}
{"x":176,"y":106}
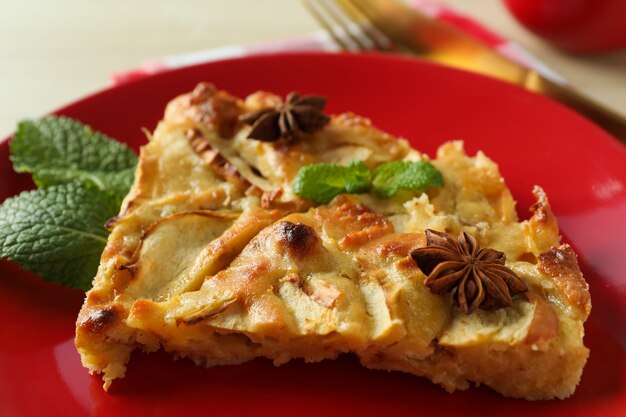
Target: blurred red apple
{"x":582,"y":26}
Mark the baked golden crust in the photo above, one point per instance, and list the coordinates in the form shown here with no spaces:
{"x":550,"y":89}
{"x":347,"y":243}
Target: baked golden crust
{"x":214,"y":258}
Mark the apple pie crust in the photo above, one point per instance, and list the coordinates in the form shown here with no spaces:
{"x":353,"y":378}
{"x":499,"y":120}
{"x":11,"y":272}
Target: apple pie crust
{"x":214,"y":258}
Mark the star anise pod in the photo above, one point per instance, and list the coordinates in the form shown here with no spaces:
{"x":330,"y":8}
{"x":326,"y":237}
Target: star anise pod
{"x":287,"y":121}
{"x":478,"y":277}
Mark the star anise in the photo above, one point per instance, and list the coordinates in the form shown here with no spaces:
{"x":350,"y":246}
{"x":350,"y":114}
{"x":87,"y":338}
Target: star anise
{"x":299,"y":114}
{"x":478,"y":277}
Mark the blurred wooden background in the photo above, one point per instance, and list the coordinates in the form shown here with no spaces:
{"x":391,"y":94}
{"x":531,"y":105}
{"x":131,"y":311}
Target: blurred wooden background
{"x":55,"y":51}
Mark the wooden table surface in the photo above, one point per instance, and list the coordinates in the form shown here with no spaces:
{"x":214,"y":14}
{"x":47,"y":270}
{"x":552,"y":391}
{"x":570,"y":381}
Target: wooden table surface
{"x":55,"y":51}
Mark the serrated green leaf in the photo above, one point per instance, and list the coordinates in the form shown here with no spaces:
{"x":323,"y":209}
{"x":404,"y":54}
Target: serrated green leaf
{"x":320,"y":182}
{"x":59,"y":150}
{"x":323,"y":182}
{"x":391,"y":177}
{"x":57,"y":232}
{"x":358,"y":177}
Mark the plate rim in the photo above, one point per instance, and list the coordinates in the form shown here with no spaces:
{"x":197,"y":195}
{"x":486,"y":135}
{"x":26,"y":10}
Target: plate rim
{"x":376,"y":56}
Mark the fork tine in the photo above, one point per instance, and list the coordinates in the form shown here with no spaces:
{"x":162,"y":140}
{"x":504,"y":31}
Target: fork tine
{"x":347,"y":32}
{"x":320,"y":17}
{"x":353,"y":8}
{"x":351,"y":27}
{"x":371,"y":15}
{"x":331,"y":26}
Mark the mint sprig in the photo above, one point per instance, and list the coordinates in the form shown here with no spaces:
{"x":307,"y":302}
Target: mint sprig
{"x":57,"y":231}
{"x":58,"y":150}
{"x":322,"y":182}
{"x":391,"y":177}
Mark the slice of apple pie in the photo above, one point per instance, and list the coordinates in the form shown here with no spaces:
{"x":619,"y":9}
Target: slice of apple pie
{"x":218,"y":257}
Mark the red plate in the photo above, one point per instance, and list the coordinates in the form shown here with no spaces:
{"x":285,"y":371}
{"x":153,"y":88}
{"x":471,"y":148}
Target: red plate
{"x":534,"y":140}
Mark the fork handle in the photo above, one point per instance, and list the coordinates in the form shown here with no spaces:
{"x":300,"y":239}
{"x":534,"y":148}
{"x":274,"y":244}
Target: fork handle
{"x":609,"y":120}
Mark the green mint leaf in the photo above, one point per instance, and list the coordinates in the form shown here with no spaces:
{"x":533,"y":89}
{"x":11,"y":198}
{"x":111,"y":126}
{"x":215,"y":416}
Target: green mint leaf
{"x":59,"y":150}
{"x":391,"y":177}
{"x":320,"y":182}
{"x":358,"y":177}
{"x":323,"y":182}
{"x":57,"y":232}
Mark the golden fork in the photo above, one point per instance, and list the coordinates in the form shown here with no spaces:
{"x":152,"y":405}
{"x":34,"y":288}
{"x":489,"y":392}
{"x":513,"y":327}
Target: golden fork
{"x":390,"y":26}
